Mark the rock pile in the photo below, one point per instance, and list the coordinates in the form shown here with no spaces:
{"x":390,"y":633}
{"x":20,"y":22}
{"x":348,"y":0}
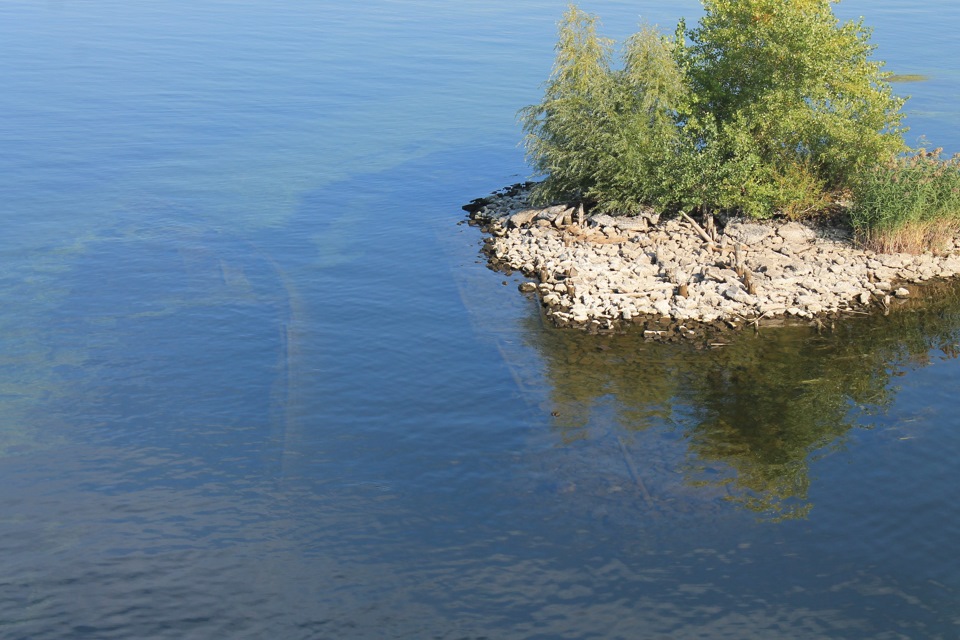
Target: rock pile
{"x":598,"y":272}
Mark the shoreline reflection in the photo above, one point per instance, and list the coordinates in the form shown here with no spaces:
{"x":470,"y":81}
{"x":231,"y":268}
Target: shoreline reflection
{"x":756,"y":413}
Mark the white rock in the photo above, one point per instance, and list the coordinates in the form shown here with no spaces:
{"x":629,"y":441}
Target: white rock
{"x":796,"y":232}
{"x":749,"y":233}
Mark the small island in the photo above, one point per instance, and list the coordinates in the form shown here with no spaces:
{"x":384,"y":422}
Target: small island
{"x":602,"y":272}
{"x":747,"y":170}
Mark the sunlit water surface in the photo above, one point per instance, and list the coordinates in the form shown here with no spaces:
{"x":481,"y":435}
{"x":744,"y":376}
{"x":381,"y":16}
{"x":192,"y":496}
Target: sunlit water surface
{"x":257,"y":383}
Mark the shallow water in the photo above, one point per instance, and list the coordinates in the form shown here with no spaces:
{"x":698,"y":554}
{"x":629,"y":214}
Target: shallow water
{"x":257,"y":381}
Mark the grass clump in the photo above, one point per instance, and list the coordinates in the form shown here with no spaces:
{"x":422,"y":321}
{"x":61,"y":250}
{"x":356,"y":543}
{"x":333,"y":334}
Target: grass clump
{"x":766,"y":108}
{"x":911,"y":203}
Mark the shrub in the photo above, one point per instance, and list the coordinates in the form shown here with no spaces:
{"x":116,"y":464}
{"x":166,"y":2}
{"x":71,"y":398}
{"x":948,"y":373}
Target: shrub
{"x":642,"y":128}
{"x":599,"y":132}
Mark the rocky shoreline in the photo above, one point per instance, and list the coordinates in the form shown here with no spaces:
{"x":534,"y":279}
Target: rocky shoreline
{"x":674,"y":276}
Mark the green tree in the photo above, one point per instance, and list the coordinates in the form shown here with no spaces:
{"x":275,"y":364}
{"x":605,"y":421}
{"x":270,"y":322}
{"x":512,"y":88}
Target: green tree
{"x":797,"y":101}
{"x":649,"y":93}
{"x":567,"y":131}
{"x":599,"y":133}
{"x":768,"y":106}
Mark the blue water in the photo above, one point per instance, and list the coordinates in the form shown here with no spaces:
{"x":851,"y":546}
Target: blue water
{"x":256,"y":381}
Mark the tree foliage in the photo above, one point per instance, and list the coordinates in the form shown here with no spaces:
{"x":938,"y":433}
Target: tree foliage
{"x":787,"y":83}
{"x":767,"y":106}
{"x":567,"y":130}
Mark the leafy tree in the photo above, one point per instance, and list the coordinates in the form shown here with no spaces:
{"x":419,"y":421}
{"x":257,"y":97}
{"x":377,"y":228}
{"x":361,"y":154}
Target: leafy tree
{"x":650,"y":89}
{"x":767,"y":106}
{"x":567,"y":131}
{"x":599,"y":133}
{"x":794,"y":94}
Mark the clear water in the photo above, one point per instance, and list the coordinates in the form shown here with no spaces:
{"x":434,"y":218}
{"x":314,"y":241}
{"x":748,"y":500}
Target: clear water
{"x":257,"y":383}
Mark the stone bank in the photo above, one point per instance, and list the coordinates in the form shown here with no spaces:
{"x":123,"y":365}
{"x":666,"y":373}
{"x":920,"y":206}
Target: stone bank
{"x":599,"y":272}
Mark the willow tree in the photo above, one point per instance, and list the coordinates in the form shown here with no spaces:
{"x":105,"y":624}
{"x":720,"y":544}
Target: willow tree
{"x":567,"y":132}
{"x":599,"y":130}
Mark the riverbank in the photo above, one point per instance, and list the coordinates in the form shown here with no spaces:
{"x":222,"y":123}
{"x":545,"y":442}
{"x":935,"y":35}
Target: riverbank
{"x":601,"y":272}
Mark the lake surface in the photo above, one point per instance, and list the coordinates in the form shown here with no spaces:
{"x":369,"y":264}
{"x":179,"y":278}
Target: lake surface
{"x":257,"y":382}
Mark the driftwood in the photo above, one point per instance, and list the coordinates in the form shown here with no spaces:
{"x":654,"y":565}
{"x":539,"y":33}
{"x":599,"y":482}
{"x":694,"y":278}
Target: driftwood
{"x":564,"y":218}
{"x":703,"y":234}
{"x":525,"y":217}
{"x":748,"y":282}
{"x":711,"y":227}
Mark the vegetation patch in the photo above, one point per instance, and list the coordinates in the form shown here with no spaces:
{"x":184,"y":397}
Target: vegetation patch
{"x":910,"y":204}
{"x":767,"y":108}
{"x":908,"y":77}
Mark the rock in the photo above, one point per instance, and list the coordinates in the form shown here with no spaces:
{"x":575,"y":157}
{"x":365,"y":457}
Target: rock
{"x":601,"y":220}
{"x":748,"y":233}
{"x":796,"y":233}
{"x":735,"y":293}
{"x":523,"y":218}
{"x":527,"y":287}
{"x":902,"y":293}
{"x":611,"y":224}
{"x":662,"y":307}
{"x":717,"y":275}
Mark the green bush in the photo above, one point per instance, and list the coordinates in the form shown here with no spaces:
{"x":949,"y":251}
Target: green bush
{"x":568,"y":131}
{"x":767,"y":107}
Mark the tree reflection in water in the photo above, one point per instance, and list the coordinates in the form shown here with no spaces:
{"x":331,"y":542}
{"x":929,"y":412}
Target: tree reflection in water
{"x":755,"y":413}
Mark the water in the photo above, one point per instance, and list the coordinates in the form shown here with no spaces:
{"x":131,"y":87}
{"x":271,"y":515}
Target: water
{"x":256,"y":382}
